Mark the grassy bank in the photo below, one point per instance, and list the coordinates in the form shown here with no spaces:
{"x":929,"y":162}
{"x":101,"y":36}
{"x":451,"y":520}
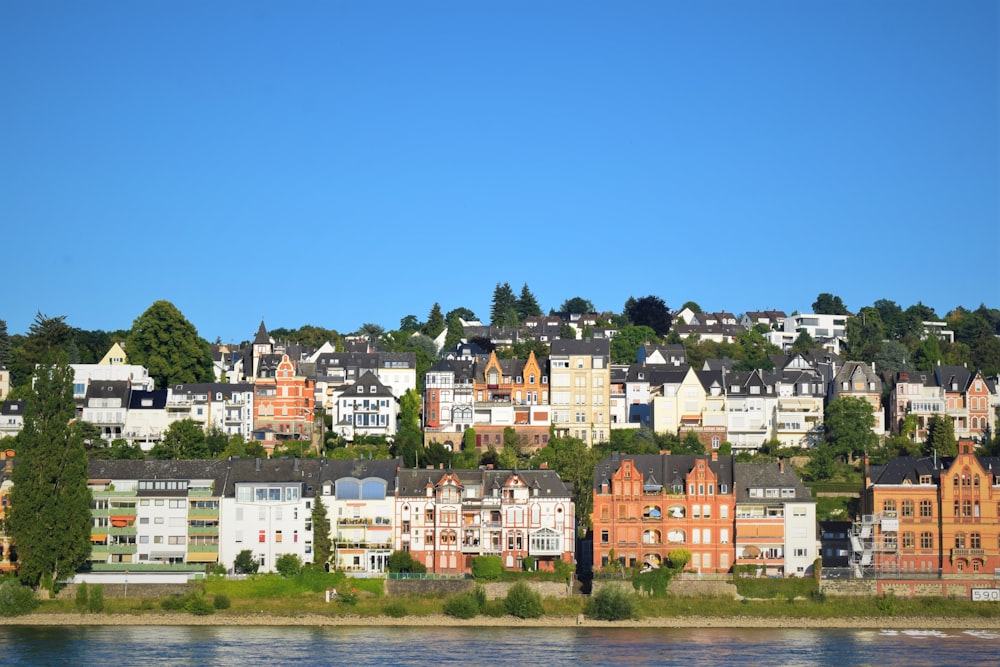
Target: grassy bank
{"x":304,"y":596}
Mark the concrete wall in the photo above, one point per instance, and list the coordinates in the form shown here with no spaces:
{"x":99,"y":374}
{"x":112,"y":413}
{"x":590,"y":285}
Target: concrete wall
{"x":678,"y":587}
{"x":137,"y":591}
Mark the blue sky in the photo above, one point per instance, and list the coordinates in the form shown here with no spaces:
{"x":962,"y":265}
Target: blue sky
{"x":337,"y":163}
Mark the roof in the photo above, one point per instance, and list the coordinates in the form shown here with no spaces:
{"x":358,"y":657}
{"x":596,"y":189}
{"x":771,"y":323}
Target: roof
{"x":413,"y":482}
{"x":770,"y":474}
{"x":666,"y":469}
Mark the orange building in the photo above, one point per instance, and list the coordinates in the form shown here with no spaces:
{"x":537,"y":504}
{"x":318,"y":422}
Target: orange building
{"x":931,"y":515}
{"x":284,"y":404}
{"x":8,"y":556}
{"x":647,"y":505}
{"x":511,"y":393}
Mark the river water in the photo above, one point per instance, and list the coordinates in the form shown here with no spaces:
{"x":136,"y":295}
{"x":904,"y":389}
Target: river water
{"x":153,"y":646}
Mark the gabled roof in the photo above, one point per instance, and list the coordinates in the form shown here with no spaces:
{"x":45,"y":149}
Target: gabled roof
{"x":108,"y":389}
{"x":769,"y":474}
{"x":261,"y":338}
{"x":669,"y":469}
{"x":148,"y":400}
{"x":585,"y":346}
{"x":413,"y":481}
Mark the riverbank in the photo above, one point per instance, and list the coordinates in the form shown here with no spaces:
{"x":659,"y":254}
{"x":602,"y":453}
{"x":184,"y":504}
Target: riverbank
{"x":441,"y":620}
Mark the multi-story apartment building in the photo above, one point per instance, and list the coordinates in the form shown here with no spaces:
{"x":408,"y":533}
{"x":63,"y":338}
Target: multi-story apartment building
{"x":336,"y":370}
{"x":511,"y":393}
{"x":723,"y":512}
{"x":580,"y":386}
{"x":647,"y":505}
{"x":360,"y":502}
{"x":283,"y":403}
{"x":105,"y":405}
{"x":449,"y":402}
{"x":366,"y":407}
{"x":11,"y":418}
{"x":931,"y":515}
{"x":965,"y":397}
{"x":775,"y":520}
{"x":445,"y":518}
{"x":859,"y":380}
{"x":149,"y":512}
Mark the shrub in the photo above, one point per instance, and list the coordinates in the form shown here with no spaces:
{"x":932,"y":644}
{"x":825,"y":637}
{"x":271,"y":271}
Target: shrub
{"x":612,"y":603}
{"x":245,"y":563}
{"x":173,"y":603}
{"x":487,"y":568}
{"x":16,"y":599}
{"x":480,"y":594}
{"x":198,"y":605}
{"x":887,"y":605}
{"x":679,"y":558}
{"x":523,"y":601}
{"x":288,"y":565}
{"x":96,"y":603}
{"x":394,"y":609}
{"x":529,"y":564}
{"x":654,"y":582}
{"x":402,"y":561}
{"x":82,"y":597}
{"x":221,"y":601}
{"x":564,"y":570}
{"x":350,"y":597}
{"x":463,"y":605}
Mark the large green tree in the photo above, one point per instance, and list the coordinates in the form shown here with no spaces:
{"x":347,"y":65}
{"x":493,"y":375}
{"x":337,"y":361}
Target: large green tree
{"x":828,"y":304}
{"x":527,"y":304}
{"x":435,"y":322}
{"x":456,"y":332}
{"x":49,"y":518}
{"x":865,"y":333}
{"x":625,"y":345}
{"x":322,"y":541}
{"x":848,"y":422}
{"x":503,"y":311}
{"x":169,"y":347}
{"x":649,"y":311}
{"x":183,"y":439}
{"x":577,"y":306}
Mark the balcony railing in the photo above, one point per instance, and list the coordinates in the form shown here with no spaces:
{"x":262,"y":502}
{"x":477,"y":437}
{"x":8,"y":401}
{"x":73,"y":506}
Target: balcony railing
{"x":967,"y":552}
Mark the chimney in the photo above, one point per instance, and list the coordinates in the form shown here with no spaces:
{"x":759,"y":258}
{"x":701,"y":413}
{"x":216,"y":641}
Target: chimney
{"x":715,"y":456}
{"x":781,"y":466}
{"x":543,"y":466}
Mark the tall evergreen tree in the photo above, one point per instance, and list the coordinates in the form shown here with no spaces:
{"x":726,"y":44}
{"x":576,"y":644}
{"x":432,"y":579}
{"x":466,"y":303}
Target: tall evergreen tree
{"x":503,"y":312}
{"x":4,"y":345}
{"x":435,"y":322}
{"x":527,"y":304}
{"x":456,"y":332}
{"x":169,"y":346}
{"x":322,"y":542}
{"x":49,"y":518}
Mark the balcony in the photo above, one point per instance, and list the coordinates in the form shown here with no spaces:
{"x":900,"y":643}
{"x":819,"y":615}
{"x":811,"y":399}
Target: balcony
{"x":203,"y":511}
{"x":203,"y":530}
{"x":203,"y":548}
{"x":966,"y":553}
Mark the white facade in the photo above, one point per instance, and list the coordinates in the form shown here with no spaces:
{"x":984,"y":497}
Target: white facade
{"x":801,"y":543}
{"x":270,"y":519}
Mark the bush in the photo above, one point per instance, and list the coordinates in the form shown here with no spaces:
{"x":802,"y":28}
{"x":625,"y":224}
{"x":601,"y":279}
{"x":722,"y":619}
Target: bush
{"x":612,"y":603}
{"x":487,"y":568}
{"x":82,"y":597}
{"x":16,"y":599}
{"x":402,"y":561}
{"x":173,"y":603}
{"x":350,"y":597}
{"x":394,"y":609}
{"x":221,"y":601}
{"x":523,"y":601}
{"x":198,"y":605}
{"x":480,"y":594}
{"x":96,"y":603}
{"x":288,"y":565}
{"x":245,"y":563}
{"x":463,"y":605}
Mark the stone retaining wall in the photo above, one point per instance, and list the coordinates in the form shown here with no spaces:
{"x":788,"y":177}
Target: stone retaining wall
{"x":138,"y":591}
{"x":496,"y":590}
{"x":678,"y":587}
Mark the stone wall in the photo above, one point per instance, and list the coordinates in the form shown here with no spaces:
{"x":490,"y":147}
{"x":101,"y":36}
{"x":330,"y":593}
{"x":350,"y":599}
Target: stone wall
{"x":678,"y":587}
{"x":496,"y":590}
{"x":905,"y":588}
{"x":138,"y":591}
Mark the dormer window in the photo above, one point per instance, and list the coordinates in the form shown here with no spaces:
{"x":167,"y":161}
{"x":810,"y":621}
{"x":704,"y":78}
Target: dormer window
{"x":371,"y":389}
{"x":642,"y":376}
{"x":361,"y":389}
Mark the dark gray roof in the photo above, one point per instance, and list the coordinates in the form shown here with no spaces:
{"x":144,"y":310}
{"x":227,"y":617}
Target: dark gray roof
{"x":148,"y":400}
{"x":261,"y":338}
{"x":667,"y":469}
{"x":591,"y":346}
{"x":413,"y":481}
{"x":770,"y":474}
{"x":108,"y":389}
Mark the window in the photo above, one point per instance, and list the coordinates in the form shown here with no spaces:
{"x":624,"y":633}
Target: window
{"x":604,"y":537}
{"x":262,"y":536}
{"x":975,"y":541}
{"x":959,"y":540}
{"x":889,"y":506}
{"x":909,"y":540}
{"x":926,"y":540}
{"x":925,"y":509}
{"x":907,"y":508}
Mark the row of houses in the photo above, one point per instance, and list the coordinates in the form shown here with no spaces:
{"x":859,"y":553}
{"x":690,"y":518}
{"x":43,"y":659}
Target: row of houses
{"x":919,"y":516}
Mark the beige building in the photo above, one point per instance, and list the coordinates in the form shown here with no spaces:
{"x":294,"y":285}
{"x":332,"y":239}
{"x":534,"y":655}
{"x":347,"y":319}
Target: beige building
{"x":580,"y":389}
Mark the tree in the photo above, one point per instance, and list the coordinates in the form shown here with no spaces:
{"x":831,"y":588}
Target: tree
{"x":577,"y":306}
{"x":169,"y":346}
{"x":527,"y":304}
{"x":503,"y":312}
{"x":456,"y":332}
{"x":435,"y":322}
{"x":566,"y":331}
{"x":865,"y":333}
{"x":183,"y":439}
{"x":44,"y":335}
{"x":4,"y":345}
{"x":692,"y":306}
{"x":409,"y":324}
{"x":803,"y":343}
{"x":828,"y":304}
{"x":891,"y":357}
{"x":461,"y":312}
{"x":941,"y":437}
{"x":848,"y":423}
{"x":650,"y":311}
{"x":402,"y":561}
{"x":371,"y":331}
{"x":49,"y":517}
{"x":322,"y":542}
{"x":288,"y":565}
{"x":754,"y":351}
{"x":245,"y":563}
